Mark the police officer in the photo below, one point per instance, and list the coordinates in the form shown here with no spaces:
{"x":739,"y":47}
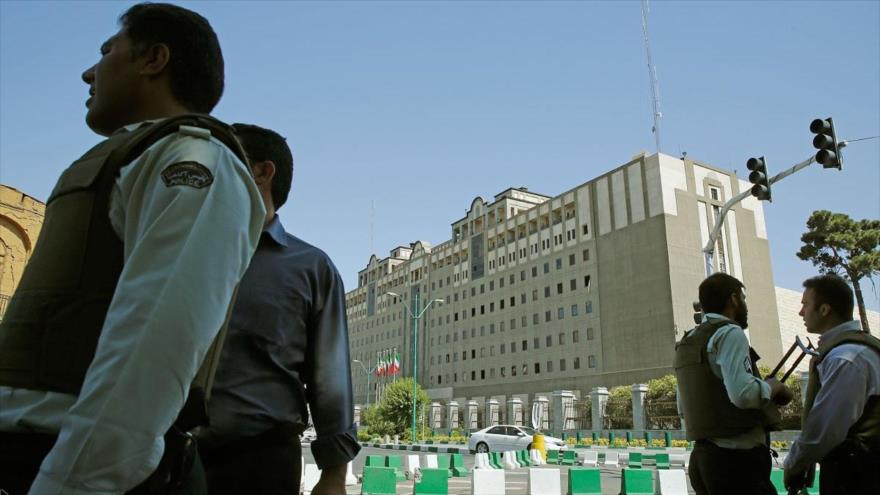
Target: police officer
{"x":132,"y":276}
{"x":722,"y":398}
{"x":841,"y":418}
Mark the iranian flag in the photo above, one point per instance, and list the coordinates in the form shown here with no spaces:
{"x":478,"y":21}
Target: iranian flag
{"x":395,"y":364}
{"x":380,"y":365}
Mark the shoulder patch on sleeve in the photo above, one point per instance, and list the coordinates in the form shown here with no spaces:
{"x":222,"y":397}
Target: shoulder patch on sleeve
{"x":192,"y":174}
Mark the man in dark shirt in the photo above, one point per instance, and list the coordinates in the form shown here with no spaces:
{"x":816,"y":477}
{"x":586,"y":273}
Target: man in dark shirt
{"x":286,"y":347}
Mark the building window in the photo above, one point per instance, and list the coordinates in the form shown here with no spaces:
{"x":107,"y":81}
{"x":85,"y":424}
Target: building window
{"x":491,"y":350}
{"x":586,"y":229}
{"x":586,"y":255}
{"x":546,"y":267}
{"x":561,"y":338}
{"x":501,"y":326}
{"x":560,"y":313}
{"x":537,"y":343}
{"x":537,"y":368}
{"x":547,"y":316}
{"x":524,"y":322}
{"x":491,"y":372}
{"x":513,"y":371}
{"x":574,"y":310}
{"x":559,"y":288}
{"x":575,"y":337}
{"x":503,"y":371}
{"x":562,"y":365}
{"x":522,"y":275}
{"x":512,"y":347}
{"x":547,"y":291}
{"x":502,"y":348}
{"x":587,"y":282}
{"x":549,"y":366}
{"x":549,"y":341}
{"x":525,"y":345}
{"x":482,"y":374}
{"x":571,"y":259}
{"x":473,"y":375}
{"x":534,"y":271}
{"x":512,"y":301}
{"x":573,"y":284}
{"x":534,"y":294}
{"x":491,"y":285}
{"x":591,"y":361}
{"x":577,"y":363}
{"x":589,"y":307}
{"x":590,"y":333}
{"x":559,"y":263}
{"x":513,"y":323}
{"x":713,"y":192}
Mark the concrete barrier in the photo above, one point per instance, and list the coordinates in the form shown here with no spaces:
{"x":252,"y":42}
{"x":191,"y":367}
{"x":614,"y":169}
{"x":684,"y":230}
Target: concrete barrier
{"x":591,"y":458}
{"x":636,"y":482}
{"x":584,"y":481}
{"x":510,"y":460}
{"x":544,"y":481}
{"x":433,"y":482}
{"x":350,"y":478}
{"x":481,"y":461}
{"x":412,"y":466}
{"x":379,"y":481}
{"x":431,"y":461}
{"x":672,"y":482}
{"x":612,"y":459}
{"x":488,"y":482}
{"x":311,"y":475}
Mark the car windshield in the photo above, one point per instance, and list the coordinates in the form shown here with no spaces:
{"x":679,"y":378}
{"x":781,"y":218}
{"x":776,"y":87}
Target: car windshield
{"x":527,"y":430}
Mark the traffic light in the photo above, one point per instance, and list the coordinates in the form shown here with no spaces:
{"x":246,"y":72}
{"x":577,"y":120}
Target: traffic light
{"x":698,"y":312}
{"x":827,"y":144}
{"x":760,"y":178}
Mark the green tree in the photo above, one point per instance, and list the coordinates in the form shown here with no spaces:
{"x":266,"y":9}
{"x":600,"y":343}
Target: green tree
{"x":661,"y":403}
{"x":619,"y":408}
{"x":838,"y":244}
{"x":393,"y":414}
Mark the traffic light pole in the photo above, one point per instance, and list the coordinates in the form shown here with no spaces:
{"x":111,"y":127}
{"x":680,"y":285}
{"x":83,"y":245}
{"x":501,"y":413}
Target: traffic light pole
{"x":709,"y":250}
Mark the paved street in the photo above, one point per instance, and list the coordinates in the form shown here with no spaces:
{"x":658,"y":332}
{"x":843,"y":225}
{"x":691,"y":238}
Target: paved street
{"x":516,"y":480}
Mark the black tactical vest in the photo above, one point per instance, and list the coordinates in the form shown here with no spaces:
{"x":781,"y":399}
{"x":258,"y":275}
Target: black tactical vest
{"x":708,"y":412}
{"x":866,"y":431}
{"x":50,"y":331}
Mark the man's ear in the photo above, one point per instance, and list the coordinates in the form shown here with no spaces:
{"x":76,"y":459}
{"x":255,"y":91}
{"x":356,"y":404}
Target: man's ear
{"x":155,"y":59}
{"x":264,"y":172}
{"x":824,"y":310}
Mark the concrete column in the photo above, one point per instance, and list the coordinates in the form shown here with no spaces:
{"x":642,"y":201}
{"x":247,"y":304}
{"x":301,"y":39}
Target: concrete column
{"x":436,"y":415}
{"x":452,"y":415}
{"x":471,"y":423}
{"x":357,"y":415}
{"x":514,"y":411}
{"x":562,"y":406}
{"x":640,"y":413}
{"x":492,"y":415}
{"x":805,"y":380}
{"x":599,"y":395}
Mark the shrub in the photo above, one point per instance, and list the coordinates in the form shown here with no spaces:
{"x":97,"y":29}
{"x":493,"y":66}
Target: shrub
{"x":364,"y":435}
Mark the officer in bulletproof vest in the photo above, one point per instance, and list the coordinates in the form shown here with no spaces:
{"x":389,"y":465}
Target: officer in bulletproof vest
{"x":841,"y":418}
{"x":727,"y":408}
{"x":144,"y":241}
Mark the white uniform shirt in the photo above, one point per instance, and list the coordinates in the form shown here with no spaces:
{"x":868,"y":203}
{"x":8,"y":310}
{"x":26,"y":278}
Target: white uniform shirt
{"x":185,"y":249}
{"x":849,"y":374}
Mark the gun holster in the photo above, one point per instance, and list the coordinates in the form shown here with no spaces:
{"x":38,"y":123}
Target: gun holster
{"x":180,"y":451}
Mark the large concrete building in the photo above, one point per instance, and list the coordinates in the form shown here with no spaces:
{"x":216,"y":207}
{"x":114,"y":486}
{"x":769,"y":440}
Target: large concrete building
{"x":21,"y":218}
{"x":588,"y":288}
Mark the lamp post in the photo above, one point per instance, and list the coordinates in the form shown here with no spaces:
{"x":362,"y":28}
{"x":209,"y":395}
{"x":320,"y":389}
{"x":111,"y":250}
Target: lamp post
{"x":415,"y":313}
{"x":368,"y":373}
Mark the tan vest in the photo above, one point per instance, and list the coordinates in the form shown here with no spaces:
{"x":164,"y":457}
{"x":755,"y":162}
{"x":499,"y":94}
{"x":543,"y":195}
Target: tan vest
{"x":50,"y":331}
{"x":866,"y":431}
{"x":708,"y":411}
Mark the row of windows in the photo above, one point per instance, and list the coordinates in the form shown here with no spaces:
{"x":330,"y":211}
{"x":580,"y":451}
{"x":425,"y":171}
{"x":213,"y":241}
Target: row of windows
{"x":503,"y":347}
{"x":524,"y":371}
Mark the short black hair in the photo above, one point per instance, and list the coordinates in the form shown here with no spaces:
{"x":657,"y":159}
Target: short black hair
{"x":716,"y":289}
{"x":261,"y":144}
{"x":196,"y":65}
{"x":832,"y":290}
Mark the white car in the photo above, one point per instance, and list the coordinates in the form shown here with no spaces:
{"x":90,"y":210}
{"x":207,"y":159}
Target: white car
{"x":502,"y":438}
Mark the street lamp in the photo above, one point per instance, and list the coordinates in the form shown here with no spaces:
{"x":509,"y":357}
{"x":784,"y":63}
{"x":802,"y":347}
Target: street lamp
{"x":415,"y":313}
{"x":368,"y":373}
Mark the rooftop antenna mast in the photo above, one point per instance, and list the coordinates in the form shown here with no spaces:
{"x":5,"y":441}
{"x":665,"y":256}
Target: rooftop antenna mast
{"x":652,"y":76}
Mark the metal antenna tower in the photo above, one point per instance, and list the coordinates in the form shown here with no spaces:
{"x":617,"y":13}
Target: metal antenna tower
{"x":652,"y":76}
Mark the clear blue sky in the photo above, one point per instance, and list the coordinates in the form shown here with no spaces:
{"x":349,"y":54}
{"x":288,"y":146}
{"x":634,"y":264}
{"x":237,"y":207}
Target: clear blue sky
{"x":418,"y":107}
